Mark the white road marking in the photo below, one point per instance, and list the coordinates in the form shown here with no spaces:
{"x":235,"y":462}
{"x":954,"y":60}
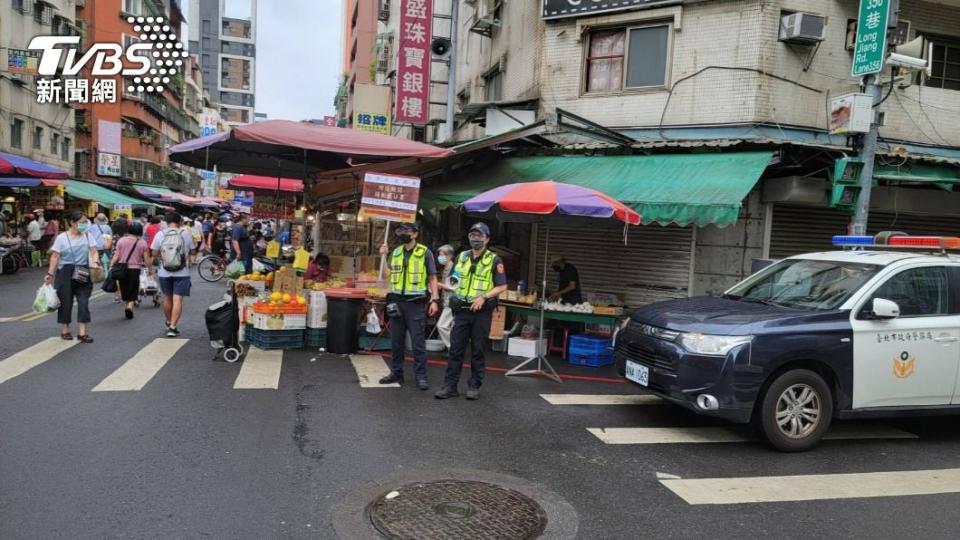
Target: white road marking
{"x":673,"y":435}
{"x":136,"y":372}
{"x":601,"y":399}
{"x":763,"y":489}
{"x":370,"y":369}
{"x":32,"y":357}
{"x":260,"y":370}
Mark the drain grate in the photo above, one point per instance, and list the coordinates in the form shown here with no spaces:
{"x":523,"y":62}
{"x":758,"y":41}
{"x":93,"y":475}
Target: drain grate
{"x":457,"y":510}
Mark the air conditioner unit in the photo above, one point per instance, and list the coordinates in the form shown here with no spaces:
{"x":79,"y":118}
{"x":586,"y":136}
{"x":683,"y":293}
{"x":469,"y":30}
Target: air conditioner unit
{"x":802,"y":28}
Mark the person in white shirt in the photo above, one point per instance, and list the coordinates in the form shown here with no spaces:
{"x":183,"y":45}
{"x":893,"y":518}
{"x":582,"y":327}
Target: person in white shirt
{"x":175,"y":280}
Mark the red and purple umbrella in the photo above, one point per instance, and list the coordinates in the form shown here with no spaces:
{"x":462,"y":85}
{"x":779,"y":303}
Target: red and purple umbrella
{"x":550,"y":198}
{"x":21,"y":167}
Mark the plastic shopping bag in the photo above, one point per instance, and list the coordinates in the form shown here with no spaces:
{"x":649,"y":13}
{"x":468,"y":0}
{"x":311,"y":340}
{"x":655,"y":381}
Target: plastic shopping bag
{"x":373,"y":322}
{"x":46,"y":299}
{"x":235,"y":270}
{"x":301,"y":258}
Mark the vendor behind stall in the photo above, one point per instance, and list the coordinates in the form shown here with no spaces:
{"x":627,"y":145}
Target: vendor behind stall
{"x":318,"y":269}
{"x":569,"y":280}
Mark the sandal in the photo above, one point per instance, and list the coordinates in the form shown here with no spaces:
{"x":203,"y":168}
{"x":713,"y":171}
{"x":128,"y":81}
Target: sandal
{"x":66,"y":336}
{"x":85,"y":339}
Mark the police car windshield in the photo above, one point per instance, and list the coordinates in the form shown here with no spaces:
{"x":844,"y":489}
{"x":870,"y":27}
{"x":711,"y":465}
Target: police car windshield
{"x":805,"y":284}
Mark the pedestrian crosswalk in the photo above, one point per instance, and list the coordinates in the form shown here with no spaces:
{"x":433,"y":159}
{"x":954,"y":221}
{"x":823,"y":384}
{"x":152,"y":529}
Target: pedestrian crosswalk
{"x":260,"y":369}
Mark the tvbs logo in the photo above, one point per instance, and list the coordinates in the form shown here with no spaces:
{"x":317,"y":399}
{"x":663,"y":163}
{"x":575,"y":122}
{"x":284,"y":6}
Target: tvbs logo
{"x":146,"y":65}
{"x":107,"y":59}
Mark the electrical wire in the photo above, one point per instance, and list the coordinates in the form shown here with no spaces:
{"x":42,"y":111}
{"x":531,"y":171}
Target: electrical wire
{"x":916,"y":124}
{"x":681,"y":80}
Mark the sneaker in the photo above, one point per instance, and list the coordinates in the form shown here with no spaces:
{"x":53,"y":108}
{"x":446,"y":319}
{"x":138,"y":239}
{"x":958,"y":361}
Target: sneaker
{"x":172,"y":332}
{"x":473,"y":393}
{"x":423,"y":384}
{"x":392,"y":378}
{"x":447,"y":392}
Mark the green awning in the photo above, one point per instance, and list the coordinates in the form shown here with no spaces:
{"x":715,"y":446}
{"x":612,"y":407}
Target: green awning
{"x":944,"y":176}
{"x":100,"y":194}
{"x":677,"y":188}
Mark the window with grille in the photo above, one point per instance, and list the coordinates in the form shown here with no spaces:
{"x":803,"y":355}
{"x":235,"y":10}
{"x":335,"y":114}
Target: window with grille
{"x":16,"y":133}
{"x":54,"y":143}
{"x":945,"y":64}
{"x":623,"y":58}
{"x":37,"y":138}
{"x":65,"y":149}
{"x":42,"y":13}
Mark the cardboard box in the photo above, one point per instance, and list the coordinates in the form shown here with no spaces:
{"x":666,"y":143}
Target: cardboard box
{"x":525,"y":348}
{"x":278,"y":321}
{"x":497,"y":323}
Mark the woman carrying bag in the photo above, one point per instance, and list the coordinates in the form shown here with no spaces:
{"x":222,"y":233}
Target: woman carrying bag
{"x":129,"y":258}
{"x":72,"y":256}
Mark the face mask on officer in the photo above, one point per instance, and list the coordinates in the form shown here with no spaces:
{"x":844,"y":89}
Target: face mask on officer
{"x":404,"y":238}
{"x":476,"y":241}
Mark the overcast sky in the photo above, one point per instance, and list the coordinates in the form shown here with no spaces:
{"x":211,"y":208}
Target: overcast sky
{"x":298,"y":55}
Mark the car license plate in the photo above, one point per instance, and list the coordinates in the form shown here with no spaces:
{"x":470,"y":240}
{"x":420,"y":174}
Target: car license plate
{"x":637,"y":373}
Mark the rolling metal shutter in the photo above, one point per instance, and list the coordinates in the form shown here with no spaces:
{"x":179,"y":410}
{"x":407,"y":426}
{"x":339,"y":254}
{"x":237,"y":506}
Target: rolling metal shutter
{"x":653,"y":266}
{"x":805,"y":229}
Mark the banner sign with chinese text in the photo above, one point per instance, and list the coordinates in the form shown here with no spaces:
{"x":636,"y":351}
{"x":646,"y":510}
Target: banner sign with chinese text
{"x":871,"y":46}
{"x":556,"y":9}
{"x":413,"y":62}
{"x":22,"y":62}
{"x":390,"y":197}
{"x":271,"y":206}
{"x":108,"y":164}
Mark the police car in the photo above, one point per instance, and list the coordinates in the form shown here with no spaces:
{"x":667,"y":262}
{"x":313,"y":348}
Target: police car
{"x":868,"y":331}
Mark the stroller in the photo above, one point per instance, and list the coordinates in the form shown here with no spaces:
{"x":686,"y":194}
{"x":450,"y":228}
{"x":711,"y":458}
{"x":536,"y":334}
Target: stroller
{"x":148,"y":288}
{"x":223,"y":325}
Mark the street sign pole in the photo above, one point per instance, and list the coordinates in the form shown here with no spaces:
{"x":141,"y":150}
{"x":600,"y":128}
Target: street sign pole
{"x":867,"y":154}
{"x":868,"y":59}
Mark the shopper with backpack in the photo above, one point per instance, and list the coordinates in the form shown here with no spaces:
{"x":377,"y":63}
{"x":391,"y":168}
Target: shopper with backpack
{"x":172,"y":248}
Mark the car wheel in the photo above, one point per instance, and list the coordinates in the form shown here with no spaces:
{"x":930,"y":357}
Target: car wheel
{"x":796,"y":411}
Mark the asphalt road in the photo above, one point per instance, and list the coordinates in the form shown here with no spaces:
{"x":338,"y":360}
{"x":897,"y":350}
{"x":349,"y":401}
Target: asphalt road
{"x":191,"y":456}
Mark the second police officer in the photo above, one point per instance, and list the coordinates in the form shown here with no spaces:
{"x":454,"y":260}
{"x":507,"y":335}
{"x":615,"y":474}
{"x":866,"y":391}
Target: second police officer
{"x":481,"y":280}
{"x":413,"y":295}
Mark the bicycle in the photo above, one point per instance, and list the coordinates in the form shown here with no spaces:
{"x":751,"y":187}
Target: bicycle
{"x":211,"y":268}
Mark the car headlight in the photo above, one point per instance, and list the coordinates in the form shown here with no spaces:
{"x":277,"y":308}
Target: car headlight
{"x":712,"y":345}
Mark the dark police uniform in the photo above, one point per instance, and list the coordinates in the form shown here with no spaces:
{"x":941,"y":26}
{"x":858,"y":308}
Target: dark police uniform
{"x":410,"y":272}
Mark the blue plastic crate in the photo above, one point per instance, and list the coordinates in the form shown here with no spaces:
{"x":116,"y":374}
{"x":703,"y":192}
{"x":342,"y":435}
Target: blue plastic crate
{"x":584,"y":344}
{"x":274,"y":339}
{"x":591,"y":359}
{"x":315,"y":337}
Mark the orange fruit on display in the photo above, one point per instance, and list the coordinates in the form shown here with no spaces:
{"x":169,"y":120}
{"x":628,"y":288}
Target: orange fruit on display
{"x":286,"y":297}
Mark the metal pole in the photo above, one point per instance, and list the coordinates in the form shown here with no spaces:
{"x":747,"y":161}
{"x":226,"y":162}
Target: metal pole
{"x":859,"y":224}
{"x":452,"y":68}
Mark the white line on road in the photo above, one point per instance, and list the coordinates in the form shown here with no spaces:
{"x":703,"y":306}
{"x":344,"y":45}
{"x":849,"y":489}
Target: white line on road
{"x":672,"y":435}
{"x":370,"y":369}
{"x":762,"y":489}
{"x":260,"y":370}
{"x":136,"y":372}
{"x":601,"y":399}
{"x":32,"y":357}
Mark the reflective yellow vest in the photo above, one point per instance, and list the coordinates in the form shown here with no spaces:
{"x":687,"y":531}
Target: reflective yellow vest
{"x":413,"y":278}
{"x":475,"y":279}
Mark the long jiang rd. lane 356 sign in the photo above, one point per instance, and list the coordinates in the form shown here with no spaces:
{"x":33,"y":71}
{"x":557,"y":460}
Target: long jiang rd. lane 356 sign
{"x":557,"y":9}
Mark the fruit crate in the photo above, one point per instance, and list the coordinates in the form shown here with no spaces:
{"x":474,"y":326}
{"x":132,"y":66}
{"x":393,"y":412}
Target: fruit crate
{"x":274,"y":339}
{"x":590,"y":351}
{"x":271,"y":309}
{"x":315,"y":337}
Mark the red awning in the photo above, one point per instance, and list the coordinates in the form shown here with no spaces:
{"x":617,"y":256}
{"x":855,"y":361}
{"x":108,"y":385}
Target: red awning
{"x":267,"y":183}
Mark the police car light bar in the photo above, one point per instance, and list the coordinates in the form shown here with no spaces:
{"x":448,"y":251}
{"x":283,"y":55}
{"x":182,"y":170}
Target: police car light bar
{"x":885,"y":240}
{"x":845,"y":240}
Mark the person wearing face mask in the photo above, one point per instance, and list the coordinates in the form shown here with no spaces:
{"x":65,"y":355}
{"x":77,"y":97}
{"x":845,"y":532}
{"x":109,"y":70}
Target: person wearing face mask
{"x":569,"y":280}
{"x":445,"y":257}
{"x":481,"y":279}
{"x":413,"y":279}
{"x":72,"y":255}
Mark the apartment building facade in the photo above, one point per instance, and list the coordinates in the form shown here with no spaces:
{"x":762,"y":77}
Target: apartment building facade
{"x":226,"y":46}
{"x":139,"y":126}
{"x":42,"y":132}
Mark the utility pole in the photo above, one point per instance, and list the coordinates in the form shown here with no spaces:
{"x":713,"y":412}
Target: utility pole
{"x":452,"y":69}
{"x":867,"y":154}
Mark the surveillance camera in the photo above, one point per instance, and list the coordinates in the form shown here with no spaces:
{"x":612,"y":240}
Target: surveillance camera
{"x":909,"y":62}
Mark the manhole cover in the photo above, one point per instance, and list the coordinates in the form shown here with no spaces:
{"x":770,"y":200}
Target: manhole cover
{"x":457,"y":510}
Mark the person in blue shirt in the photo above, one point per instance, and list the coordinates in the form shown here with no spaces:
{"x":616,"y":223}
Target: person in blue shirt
{"x":72,"y":255}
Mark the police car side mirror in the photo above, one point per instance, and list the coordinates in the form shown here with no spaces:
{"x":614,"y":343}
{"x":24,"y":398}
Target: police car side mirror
{"x":885,"y":309}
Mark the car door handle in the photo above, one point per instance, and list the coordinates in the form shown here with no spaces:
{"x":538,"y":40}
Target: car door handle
{"x":946,"y":339}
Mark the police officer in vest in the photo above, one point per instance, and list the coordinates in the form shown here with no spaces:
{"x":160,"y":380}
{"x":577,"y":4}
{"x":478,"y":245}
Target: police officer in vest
{"x":413,"y":294}
{"x":481,"y":280}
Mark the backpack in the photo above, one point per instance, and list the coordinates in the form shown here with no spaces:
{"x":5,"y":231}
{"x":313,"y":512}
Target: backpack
{"x":219,"y":238}
{"x":172,"y":252}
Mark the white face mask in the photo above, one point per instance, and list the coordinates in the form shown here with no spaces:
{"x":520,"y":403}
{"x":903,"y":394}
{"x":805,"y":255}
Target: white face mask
{"x":442,"y":259}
